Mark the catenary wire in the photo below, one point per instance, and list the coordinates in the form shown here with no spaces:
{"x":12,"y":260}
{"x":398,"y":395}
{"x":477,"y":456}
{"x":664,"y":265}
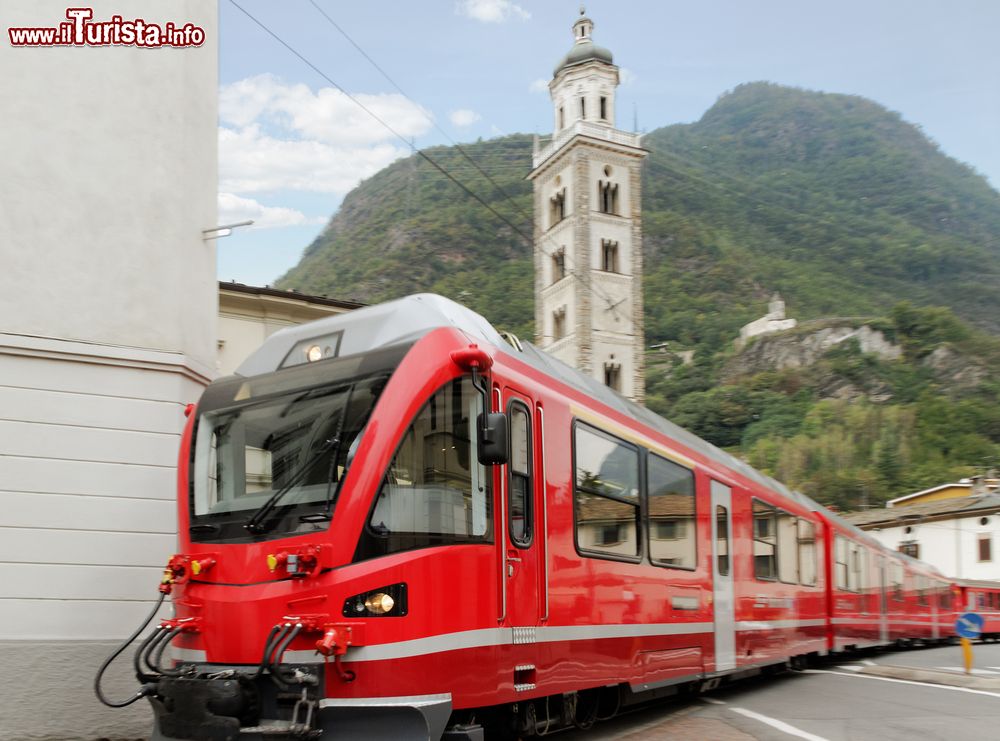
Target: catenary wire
{"x":423,"y":155}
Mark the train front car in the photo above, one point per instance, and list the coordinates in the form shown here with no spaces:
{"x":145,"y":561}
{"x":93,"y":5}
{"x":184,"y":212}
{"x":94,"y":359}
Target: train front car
{"x":335,"y":525}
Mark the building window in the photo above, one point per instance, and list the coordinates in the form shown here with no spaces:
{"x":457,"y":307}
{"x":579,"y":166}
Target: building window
{"x":613,"y":374}
{"x":606,"y":496}
{"x":985,"y":547}
{"x":672,"y":515}
{"x":583,"y":108}
{"x":609,"y":255}
{"x":558,"y":265}
{"x":562,"y":118}
{"x":910,"y":548}
{"x":559,"y":323}
{"x":557,"y":207}
{"x":607,"y":197}
{"x":604,"y":108}
{"x":608,"y":535}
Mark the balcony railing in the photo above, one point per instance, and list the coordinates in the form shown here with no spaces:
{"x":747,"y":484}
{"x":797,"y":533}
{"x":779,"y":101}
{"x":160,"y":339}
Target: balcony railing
{"x":584,"y":128}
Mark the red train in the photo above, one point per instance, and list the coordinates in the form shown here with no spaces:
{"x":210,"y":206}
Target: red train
{"x":396,"y":523}
{"x":982,"y":597}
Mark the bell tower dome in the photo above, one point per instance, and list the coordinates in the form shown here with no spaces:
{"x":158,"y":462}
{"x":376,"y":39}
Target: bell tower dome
{"x":588,"y":233}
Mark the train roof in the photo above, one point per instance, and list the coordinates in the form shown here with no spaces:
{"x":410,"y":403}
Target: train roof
{"x":411,"y":317}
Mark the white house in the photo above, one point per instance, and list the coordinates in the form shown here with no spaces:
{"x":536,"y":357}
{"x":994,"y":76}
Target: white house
{"x":960,"y":536}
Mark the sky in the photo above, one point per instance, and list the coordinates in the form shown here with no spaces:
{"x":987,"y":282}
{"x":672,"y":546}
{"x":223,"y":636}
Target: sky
{"x":291,"y":144}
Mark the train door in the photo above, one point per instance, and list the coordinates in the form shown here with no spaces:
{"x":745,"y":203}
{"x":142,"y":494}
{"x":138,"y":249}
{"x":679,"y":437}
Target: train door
{"x":722,"y":577}
{"x":522,"y":537}
{"x":883,"y":601}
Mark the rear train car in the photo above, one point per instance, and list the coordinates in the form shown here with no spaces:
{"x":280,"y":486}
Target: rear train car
{"x":982,"y":597}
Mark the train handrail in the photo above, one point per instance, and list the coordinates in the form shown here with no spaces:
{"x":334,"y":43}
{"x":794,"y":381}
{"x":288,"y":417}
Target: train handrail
{"x":545,"y":512}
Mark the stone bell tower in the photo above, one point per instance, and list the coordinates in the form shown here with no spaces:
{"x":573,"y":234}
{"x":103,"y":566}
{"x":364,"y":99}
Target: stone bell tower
{"x":588,"y":230}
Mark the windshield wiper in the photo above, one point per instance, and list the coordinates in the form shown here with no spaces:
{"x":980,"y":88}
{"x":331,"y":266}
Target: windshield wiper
{"x":326,"y":514}
{"x":255,"y":523}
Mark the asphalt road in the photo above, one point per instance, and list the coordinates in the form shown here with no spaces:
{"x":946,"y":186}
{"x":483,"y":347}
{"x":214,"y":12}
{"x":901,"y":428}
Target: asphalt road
{"x":831,"y":703}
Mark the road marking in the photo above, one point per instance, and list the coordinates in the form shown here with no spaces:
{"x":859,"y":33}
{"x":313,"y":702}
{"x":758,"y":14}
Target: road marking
{"x":851,"y":667}
{"x":779,"y":724}
{"x":902,"y":681}
{"x":712,"y":701}
{"x":988,"y":672}
{"x":868,"y":662}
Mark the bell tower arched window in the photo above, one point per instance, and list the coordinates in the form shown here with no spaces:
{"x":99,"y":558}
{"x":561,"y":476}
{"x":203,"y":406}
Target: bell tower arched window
{"x":557,"y":207}
{"x":559,"y":323}
{"x":609,"y":256}
{"x":613,"y":374}
{"x":607,"y":197}
{"x":559,"y":265}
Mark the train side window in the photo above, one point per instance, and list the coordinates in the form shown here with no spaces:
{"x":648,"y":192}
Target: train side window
{"x":765,"y":557}
{"x":840,"y":565}
{"x":722,"y":539}
{"x":606,"y":496}
{"x":671,"y":510}
{"x":897,"y":582}
{"x":944,"y":597}
{"x":807,"y":552}
{"x":519,"y":482}
{"x":434,"y":492}
{"x":922,"y":591}
{"x":788,"y":564}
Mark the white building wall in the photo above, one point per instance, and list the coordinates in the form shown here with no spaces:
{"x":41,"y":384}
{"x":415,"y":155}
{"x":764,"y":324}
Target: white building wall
{"x":108,"y":304}
{"x":951,"y":545}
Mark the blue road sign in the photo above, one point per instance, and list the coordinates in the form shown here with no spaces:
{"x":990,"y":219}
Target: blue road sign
{"x":969,"y":625}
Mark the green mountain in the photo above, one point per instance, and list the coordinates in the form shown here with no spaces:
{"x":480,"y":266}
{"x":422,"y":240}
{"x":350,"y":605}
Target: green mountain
{"x":832,"y":200}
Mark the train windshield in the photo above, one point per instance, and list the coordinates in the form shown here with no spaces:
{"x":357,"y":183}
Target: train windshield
{"x":271,"y":453}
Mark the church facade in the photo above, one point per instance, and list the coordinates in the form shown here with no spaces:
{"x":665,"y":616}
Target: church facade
{"x":588,"y":227}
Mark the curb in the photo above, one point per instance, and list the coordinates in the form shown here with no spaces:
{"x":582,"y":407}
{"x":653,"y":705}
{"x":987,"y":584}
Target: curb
{"x":933,"y":676}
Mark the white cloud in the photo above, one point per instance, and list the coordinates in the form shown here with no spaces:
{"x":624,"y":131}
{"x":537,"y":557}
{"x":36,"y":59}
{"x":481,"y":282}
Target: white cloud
{"x":279,"y":136}
{"x":251,"y":161}
{"x":233,"y":208}
{"x":491,"y":11}
{"x":326,"y":115}
{"x":463,"y":117}
{"x":541,"y":85}
{"x":626,"y":76}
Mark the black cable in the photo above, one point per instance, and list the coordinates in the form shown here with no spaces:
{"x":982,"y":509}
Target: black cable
{"x":141,"y":657}
{"x":275,"y":665}
{"x":160,"y":648}
{"x":268,"y":647}
{"x":144,"y":690}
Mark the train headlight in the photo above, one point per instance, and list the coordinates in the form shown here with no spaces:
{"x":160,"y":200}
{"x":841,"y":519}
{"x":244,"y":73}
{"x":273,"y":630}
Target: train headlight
{"x":380,"y":603}
{"x":313,"y":349}
{"x":388,"y":601}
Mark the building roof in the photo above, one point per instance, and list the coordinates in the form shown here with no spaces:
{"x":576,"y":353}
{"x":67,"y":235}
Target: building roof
{"x":914,"y":495}
{"x":943,"y":509}
{"x":583,"y":51}
{"x":289,"y":295}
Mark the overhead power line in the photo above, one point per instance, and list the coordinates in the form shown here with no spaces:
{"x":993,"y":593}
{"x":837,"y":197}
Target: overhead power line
{"x":517,"y":207}
{"x":517,"y":230}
